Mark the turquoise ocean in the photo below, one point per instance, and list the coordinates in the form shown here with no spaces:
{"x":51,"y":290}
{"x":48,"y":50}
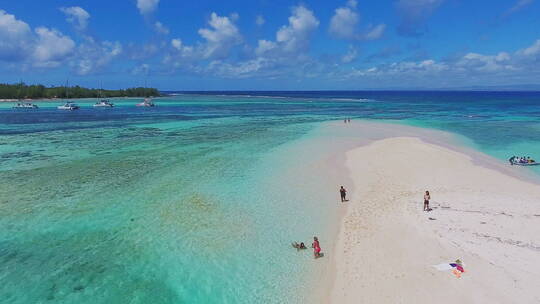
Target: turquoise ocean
{"x":198,"y":199}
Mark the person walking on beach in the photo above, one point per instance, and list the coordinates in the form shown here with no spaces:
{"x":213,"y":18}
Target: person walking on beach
{"x":427,"y":197}
{"x":343,"y":194}
{"x":316,"y":247}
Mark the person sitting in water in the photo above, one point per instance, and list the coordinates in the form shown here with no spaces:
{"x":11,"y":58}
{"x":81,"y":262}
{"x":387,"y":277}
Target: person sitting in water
{"x":299,"y":246}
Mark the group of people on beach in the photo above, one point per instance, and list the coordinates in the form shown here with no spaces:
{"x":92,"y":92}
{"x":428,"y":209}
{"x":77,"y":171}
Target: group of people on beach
{"x":347,"y":120}
{"x":343,"y":195}
{"x":315,"y":245}
{"x":521,"y":160}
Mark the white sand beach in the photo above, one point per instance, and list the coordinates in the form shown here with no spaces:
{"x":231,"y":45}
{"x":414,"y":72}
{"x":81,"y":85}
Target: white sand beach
{"x":387,"y":245}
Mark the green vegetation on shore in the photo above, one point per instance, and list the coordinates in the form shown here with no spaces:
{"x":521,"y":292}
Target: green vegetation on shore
{"x":22,"y":91}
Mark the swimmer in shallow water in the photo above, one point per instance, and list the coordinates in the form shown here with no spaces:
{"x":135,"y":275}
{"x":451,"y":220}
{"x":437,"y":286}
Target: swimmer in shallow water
{"x":299,"y":246}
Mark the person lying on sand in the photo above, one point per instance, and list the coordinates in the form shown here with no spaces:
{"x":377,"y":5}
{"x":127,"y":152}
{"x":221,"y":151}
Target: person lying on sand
{"x":299,"y":246}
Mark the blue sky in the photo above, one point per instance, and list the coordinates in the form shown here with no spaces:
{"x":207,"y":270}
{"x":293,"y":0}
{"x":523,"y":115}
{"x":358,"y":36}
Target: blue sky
{"x":271,"y":45}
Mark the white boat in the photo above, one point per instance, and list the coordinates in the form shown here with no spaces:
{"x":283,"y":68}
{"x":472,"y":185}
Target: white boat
{"x":68,"y":106}
{"x":25,"y":105}
{"x":525,"y":164}
{"x":522,"y":161}
{"x":147,"y":102}
{"x":104,"y":103}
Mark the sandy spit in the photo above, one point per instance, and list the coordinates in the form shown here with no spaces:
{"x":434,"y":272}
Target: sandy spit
{"x":387,"y":245}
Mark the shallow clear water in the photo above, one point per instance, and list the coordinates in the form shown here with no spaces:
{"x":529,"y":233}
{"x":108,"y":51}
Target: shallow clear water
{"x":196,"y":200}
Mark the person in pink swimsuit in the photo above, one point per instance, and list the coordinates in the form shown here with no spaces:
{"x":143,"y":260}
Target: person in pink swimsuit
{"x":316,"y":247}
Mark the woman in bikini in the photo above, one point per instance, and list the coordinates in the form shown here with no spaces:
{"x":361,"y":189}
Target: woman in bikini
{"x":316,"y":247}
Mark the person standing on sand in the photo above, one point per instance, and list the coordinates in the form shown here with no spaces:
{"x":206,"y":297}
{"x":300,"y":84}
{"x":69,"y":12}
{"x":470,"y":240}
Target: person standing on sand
{"x":427,"y":197}
{"x":343,"y":194}
{"x":316,"y":247}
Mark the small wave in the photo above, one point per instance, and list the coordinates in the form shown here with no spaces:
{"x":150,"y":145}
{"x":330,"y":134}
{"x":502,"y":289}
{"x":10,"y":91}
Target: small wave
{"x":353,"y":99}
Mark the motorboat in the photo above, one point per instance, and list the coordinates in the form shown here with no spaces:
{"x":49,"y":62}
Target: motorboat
{"x":526,"y":164}
{"x":523,"y":161}
{"x":147,"y":102}
{"x":25,"y":105}
{"x":68,"y":106}
{"x":104,"y":103}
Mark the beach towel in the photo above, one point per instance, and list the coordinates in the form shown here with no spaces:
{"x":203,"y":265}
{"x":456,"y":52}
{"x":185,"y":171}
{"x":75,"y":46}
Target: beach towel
{"x":456,"y":267}
{"x":443,"y":267}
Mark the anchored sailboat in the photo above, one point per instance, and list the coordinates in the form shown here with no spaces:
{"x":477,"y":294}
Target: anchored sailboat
{"x":103,"y":103}
{"x":70,"y":106}
{"x":147,"y":102}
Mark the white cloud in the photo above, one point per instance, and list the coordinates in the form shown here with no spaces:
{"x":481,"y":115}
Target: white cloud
{"x":77,"y":16}
{"x":92,"y":56}
{"x":259,"y":20}
{"x":425,"y":68}
{"x":375,"y":32}
{"x":241,"y":70}
{"x":176,"y":43}
{"x":533,"y":50}
{"x":147,"y":7}
{"x":350,"y":56}
{"x":220,"y":37}
{"x":15,"y":37}
{"x":160,"y":28}
{"x":296,"y":36}
{"x":344,"y":24}
{"x":485,"y":63}
{"x":283,"y":56}
{"x":481,"y":67}
{"x":51,"y":47}
{"x":180,"y":55}
{"x":293,"y":38}
{"x":183,"y":50}
{"x":270,"y":61}
{"x":42,"y":47}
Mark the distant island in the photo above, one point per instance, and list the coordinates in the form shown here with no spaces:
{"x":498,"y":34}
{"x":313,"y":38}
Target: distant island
{"x":24,"y":91}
